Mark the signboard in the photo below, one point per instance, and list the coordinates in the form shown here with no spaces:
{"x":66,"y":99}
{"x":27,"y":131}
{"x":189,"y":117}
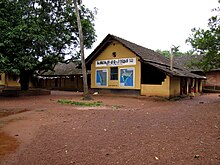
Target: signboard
{"x":116,"y":62}
{"x":127,"y":77}
{"x":101,"y":77}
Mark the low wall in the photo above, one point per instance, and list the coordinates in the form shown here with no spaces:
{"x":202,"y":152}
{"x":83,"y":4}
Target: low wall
{"x":156,"y":90}
{"x":174,"y":86}
{"x":211,"y":89}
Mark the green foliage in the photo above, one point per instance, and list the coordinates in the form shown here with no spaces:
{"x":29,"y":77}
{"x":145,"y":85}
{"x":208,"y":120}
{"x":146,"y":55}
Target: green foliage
{"x":37,"y":34}
{"x":176,"y":52}
{"x":89,"y":104}
{"x":175,"y":49}
{"x":207,"y":43}
{"x":166,"y":53}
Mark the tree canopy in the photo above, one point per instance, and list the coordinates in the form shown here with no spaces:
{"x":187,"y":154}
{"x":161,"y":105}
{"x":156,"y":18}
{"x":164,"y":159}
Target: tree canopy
{"x":37,"y":34}
{"x":207,"y":43}
{"x":176,"y":52}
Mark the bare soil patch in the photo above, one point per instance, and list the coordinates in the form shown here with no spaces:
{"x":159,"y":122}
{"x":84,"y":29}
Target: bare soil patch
{"x":8,"y":144}
{"x":7,"y":112}
{"x":125,"y":130}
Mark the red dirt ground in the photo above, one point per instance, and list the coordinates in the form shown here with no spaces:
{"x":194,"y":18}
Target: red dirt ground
{"x":126,"y":130}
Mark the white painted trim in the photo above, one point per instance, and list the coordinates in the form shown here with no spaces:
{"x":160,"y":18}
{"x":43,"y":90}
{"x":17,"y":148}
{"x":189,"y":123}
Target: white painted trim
{"x":115,"y":62}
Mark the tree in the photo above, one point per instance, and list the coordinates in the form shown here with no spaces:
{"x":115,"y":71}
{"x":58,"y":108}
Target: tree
{"x":85,"y":83}
{"x":166,"y":53}
{"x":207,"y":43}
{"x":176,"y":52}
{"x":37,"y":34}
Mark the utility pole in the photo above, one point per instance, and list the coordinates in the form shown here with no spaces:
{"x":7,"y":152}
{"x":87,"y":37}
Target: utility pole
{"x":171,"y":59}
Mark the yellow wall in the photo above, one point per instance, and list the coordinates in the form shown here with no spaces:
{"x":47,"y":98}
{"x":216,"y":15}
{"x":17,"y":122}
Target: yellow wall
{"x":169,"y":88}
{"x":196,"y":86}
{"x":174,"y":86}
{"x":2,"y":81}
{"x":12,"y":83}
{"x":201,"y":85}
{"x":121,"y":52}
{"x":8,"y":81}
{"x":157,"y":90}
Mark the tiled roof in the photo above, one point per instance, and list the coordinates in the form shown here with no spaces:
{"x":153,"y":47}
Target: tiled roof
{"x":186,"y":61}
{"x":176,"y":71}
{"x":146,"y":55}
{"x":64,"y":69}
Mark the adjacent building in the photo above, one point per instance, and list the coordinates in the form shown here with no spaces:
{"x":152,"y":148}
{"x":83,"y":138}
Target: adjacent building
{"x":9,"y":81}
{"x":212,"y":83}
{"x":63,"y":77}
{"x":213,"y":79}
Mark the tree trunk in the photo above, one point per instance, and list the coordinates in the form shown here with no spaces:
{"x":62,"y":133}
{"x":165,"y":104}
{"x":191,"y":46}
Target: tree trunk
{"x":24,"y":79}
{"x":86,"y":95}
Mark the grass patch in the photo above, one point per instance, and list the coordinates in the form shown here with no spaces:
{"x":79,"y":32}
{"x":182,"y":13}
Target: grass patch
{"x":88,"y":104}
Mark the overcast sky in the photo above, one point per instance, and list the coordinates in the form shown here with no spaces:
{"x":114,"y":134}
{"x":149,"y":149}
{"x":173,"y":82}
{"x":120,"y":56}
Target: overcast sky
{"x":155,"y":24}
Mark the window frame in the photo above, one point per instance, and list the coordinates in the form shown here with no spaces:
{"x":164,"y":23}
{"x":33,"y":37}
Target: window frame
{"x":124,"y":85}
{"x":96,"y":79}
{"x":114,"y":75}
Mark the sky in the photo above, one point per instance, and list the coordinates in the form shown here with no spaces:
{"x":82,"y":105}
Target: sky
{"x":154,"y":24}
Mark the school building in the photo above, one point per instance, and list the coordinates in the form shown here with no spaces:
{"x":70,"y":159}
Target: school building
{"x":120,"y":66}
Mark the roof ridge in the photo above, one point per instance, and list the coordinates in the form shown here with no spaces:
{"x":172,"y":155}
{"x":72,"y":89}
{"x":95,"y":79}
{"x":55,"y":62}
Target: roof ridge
{"x":142,"y":52}
{"x":132,"y":43}
{"x":139,"y":50}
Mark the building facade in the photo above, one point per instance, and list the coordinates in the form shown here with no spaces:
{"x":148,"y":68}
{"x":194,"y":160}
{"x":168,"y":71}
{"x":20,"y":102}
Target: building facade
{"x":212,"y":82}
{"x":63,"y":77}
{"x":120,"y":66}
{"x":9,"y":81}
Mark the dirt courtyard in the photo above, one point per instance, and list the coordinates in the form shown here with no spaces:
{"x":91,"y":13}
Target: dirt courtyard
{"x":125,"y":130}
